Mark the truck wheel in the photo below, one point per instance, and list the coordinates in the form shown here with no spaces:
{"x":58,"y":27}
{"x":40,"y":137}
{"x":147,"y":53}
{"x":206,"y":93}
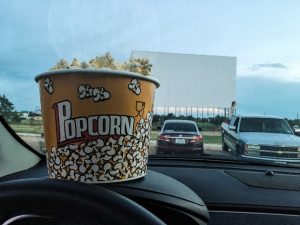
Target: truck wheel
{"x":224,"y":145}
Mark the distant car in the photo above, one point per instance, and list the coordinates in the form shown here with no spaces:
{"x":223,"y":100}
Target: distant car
{"x":296,"y":129}
{"x":179,"y":136}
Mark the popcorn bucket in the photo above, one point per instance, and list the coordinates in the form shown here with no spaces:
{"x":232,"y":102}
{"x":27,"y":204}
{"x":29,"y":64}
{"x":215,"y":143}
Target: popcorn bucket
{"x":97,"y":124}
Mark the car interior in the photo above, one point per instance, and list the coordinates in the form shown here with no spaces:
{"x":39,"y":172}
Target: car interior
{"x":174,"y":191}
{"x":149,"y":112}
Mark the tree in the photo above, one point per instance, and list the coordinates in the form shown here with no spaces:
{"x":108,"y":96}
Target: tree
{"x":155,"y":118}
{"x":7,"y":109}
{"x":170,"y":116}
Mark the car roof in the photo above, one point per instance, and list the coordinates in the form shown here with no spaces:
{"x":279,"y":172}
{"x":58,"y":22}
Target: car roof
{"x":261,"y":116}
{"x":180,"y":121}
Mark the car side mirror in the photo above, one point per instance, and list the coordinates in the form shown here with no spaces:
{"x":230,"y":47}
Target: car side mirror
{"x":199,"y":128}
{"x":158,"y":127}
{"x":231,"y":128}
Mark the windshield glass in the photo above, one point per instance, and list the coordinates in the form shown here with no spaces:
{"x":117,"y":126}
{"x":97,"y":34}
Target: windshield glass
{"x":210,"y":62}
{"x":264,"y":125}
{"x":185,"y":127}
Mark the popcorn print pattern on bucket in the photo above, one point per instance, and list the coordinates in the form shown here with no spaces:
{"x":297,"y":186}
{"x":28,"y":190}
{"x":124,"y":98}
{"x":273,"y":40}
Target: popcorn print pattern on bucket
{"x":135,"y":86}
{"x":97,"y":93}
{"x":48,"y":85}
{"x":109,"y":160}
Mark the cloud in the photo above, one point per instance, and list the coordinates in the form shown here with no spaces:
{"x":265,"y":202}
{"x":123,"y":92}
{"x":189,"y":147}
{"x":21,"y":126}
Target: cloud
{"x":288,"y":70}
{"x":255,"y":67}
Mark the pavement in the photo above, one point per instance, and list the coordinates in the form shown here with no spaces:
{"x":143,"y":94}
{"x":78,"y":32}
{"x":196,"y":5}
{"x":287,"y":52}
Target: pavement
{"x":211,"y":149}
{"x":35,"y":141}
{"x":28,"y":134}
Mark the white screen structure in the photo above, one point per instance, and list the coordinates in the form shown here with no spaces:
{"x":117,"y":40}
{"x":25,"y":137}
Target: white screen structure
{"x":188,"y":80}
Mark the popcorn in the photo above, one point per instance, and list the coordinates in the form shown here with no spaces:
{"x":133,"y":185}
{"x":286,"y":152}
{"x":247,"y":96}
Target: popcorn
{"x":85,"y":65}
{"x":61,"y":64}
{"x":107,"y":62}
{"x":103,"y":160}
{"x":88,"y":150}
{"x":48,"y":85}
{"x":95,"y":168}
{"x":117,"y":157}
{"x":107,"y":166}
{"x":82,"y":169}
{"x":75,"y":64}
{"x":98,"y":93}
{"x":111,"y":152}
{"x":137,"y":65}
{"x":95,"y":159}
{"x":134,"y":86}
{"x":107,"y":158}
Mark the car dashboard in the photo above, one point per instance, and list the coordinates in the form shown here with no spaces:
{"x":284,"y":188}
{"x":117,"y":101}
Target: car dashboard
{"x":186,"y":191}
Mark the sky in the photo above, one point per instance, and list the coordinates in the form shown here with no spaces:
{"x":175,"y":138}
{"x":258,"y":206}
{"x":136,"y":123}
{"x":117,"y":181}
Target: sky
{"x":264,"y":35}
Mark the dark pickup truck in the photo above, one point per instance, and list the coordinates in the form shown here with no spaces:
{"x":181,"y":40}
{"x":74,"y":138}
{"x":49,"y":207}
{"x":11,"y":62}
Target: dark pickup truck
{"x":261,"y":137}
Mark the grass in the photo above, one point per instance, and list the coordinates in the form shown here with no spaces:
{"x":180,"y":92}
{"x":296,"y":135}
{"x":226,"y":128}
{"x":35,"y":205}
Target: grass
{"x":154,"y":134}
{"x":212,"y":139}
{"x":208,"y":126}
{"x":209,"y":137}
{"x":23,"y":128}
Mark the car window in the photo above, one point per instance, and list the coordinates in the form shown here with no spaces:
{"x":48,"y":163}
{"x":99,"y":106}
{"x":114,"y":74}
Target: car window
{"x":236,"y":122}
{"x":232,"y":121}
{"x":198,"y":65}
{"x":185,"y":127}
{"x":265,"y":125}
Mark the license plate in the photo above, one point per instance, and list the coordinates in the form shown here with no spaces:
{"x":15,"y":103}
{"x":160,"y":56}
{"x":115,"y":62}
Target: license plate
{"x":179,"y":141}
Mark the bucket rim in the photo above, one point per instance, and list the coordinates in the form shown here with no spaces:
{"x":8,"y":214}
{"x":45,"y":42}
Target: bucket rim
{"x":101,"y":72}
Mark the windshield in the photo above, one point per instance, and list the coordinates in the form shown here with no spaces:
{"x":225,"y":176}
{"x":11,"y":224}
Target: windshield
{"x":185,"y":127}
{"x":264,"y":125}
{"x":207,"y":62}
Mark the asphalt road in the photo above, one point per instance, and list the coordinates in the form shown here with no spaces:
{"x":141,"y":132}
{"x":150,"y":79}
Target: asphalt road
{"x":210,"y":149}
{"x":36,"y":142}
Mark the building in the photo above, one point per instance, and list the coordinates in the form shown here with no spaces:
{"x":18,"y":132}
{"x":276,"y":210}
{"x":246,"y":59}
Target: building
{"x":198,"y":85}
{"x":24,"y":115}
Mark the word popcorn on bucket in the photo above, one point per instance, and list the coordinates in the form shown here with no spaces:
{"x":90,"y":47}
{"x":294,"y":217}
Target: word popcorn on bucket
{"x":71,"y":129}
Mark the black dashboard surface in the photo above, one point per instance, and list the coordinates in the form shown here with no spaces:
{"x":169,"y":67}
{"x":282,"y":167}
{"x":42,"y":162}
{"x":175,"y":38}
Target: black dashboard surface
{"x":225,"y":194}
{"x":213,"y":182}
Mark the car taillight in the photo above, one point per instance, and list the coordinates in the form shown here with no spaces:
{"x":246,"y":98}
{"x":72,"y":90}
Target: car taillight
{"x":164,"y":138}
{"x":196,"y":138}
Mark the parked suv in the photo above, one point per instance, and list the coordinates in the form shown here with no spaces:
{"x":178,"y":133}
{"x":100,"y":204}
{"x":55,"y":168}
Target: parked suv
{"x":179,"y":136}
{"x":261,"y":137}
